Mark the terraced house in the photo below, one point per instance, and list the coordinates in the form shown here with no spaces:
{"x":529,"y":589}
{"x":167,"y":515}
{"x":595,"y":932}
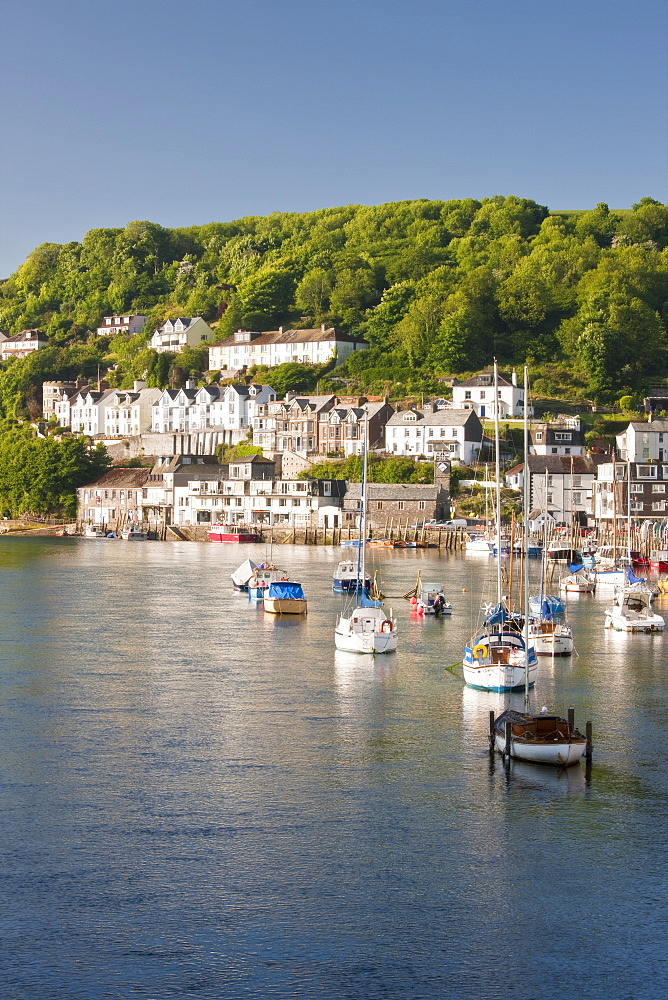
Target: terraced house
{"x":277,"y":347}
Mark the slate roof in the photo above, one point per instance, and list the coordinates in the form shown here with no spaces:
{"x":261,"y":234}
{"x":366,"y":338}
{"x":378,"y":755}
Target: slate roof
{"x":26,"y":335}
{"x":483,"y":379}
{"x":642,"y":426}
{"x":393,"y":491}
{"x":291,"y":337}
{"x":561,"y":465}
{"x":126,"y":478}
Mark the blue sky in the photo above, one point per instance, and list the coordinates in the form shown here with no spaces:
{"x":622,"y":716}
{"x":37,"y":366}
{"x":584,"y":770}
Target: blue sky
{"x":209,"y":110}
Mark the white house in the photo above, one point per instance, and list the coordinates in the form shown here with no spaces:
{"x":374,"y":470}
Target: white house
{"x":246,"y":347}
{"x":23,"y":344}
{"x":562,"y":436}
{"x":424,"y":432}
{"x":477,"y":394}
{"x":644,"y":442}
{"x":563,"y":485}
{"x":112,"y":326}
{"x":209,"y":407}
{"x":55,"y":393}
{"x":128,"y":413}
{"x":87,"y":409}
{"x":177,"y":334}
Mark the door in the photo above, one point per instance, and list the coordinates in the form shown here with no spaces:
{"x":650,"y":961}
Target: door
{"x":482,"y":411}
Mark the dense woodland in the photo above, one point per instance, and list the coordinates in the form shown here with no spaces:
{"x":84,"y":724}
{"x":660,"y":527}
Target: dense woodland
{"x":436,"y":288}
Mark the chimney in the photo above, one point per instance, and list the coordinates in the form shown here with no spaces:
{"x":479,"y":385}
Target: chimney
{"x":322,"y":327}
{"x":514,"y":377}
{"x":280,"y":329}
{"x":102,"y":384}
{"x":190,"y":383}
{"x":138,"y":385}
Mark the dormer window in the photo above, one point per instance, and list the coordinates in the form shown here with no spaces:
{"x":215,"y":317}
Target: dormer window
{"x":410,"y":416}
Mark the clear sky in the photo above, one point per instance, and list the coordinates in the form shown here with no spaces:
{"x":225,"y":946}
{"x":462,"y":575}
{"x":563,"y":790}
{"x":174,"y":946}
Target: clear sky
{"x":208,"y":110}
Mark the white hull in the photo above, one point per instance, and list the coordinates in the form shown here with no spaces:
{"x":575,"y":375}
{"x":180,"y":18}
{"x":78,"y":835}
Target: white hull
{"x":619,"y":622}
{"x":499,"y":676}
{"x":134,"y":536}
{"x":556,"y":754}
{"x":557,"y":643}
{"x":365,"y":632}
{"x":610,"y":578}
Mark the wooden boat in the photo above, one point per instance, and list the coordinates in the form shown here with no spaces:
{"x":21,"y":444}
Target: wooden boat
{"x":285,"y":598}
{"x":542,"y":739}
{"x":631,"y":611}
{"x":242,"y":575}
{"x":231,"y":533}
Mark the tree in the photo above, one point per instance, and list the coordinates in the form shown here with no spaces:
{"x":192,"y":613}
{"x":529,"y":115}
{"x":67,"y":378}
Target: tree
{"x":313,"y":292}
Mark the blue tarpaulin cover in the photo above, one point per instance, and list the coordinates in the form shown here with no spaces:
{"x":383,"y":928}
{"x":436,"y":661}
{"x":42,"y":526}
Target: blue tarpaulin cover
{"x":285,"y":589}
{"x":575,"y":567}
{"x":633,"y":578}
{"x":546,"y":611}
{"x":366,"y":602}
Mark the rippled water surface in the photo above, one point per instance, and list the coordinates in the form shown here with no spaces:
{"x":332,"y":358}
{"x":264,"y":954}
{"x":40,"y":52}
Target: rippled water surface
{"x":201,"y":800}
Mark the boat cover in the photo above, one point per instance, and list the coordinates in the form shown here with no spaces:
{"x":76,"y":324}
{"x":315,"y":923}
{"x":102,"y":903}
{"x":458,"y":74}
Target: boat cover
{"x":286,"y":590}
{"x":497,"y":616}
{"x":575,"y":567}
{"x":366,"y":602}
{"x":633,"y":578}
{"x":242,"y":575}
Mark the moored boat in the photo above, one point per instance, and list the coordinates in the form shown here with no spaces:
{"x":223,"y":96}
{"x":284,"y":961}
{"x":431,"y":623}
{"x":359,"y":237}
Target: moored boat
{"x":542,"y":739}
{"x":97,"y":531}
{"x":285,"y":598}
{"x":431,"y":601}
{"x":242,"y":574}
{"x":658,"y":560}
{"x":134,"y":534}
{"x":631,"y":611}
{"x":231,"y":533}
{"x":347,"y":577}
{"x":263,"y":576}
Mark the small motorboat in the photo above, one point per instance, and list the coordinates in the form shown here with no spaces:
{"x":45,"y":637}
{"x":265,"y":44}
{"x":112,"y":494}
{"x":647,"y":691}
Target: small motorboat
{"x":285,"y":598}
{"x":263,"y":576}
{"x":432,"y":601}
{"x":231,"y":533}
{"x":347,"y":577}
{"x":97,"y":531}
{"x":542,"y":739}
{"x":134,"y":534}
{"x":658,"y":560}
{"x":631,"y":611}
{"x":578,"y":581}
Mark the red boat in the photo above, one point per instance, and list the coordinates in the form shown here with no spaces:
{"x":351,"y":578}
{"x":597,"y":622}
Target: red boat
{"x":231,"y":533}
{"x":658,"y":560}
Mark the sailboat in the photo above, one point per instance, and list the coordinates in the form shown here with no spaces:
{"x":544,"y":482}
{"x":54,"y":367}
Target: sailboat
{"x":542,"y":738}
{"x":366,"y":628}
{"x":499,"y":658}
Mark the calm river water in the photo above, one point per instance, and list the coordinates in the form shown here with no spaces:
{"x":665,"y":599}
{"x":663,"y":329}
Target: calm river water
{"x":200,"y":800}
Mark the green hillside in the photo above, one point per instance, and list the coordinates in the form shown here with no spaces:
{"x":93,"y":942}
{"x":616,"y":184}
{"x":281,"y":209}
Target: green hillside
{"x":436,"y":288}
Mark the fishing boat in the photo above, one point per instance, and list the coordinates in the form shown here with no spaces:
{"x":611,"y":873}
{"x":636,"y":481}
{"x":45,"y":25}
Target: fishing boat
{"x":631,"y":611}
{"x":541,"y":739}
{"x":365,"y":628}
{"x":431,"y":601}
{"x":498,"y":658}
{"x":134,"y":534}
{"x":242,"y":574}
{"x":658,"y":560}
{"x":347,"y":577}
{"x":263,"y":576}
{"x":285,"y":598}
{"x":231,"y":533}
{"x":97,"y":531}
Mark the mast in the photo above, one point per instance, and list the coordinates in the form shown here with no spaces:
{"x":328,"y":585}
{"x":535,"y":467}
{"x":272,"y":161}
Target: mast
{"x":525,"y":581}
{"x":362,"y":540}
{"x":614,"y":513}
{"x":628,"y":509}
{"x":497,"y":472}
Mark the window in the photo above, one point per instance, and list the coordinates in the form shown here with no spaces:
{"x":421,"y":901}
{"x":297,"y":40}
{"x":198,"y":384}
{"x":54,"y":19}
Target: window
{"x":549,"y":498}
{"x":327,"y":489}
{"x":659,"y":505}
{"x":421,"y":504}
{"x":646,"y":472}
{"x":554,"y":451}
{"x":636,"y":505}
{"x":539,"y":435}
{"x":577,"y":498}
{"x":467,"y":394}
{"x":482,"y":394}
{"x":113,"y":494}
{"x":567,"y":451}
{"x":577,"y":480}
{"x":637,"y":487}
{"x":379,"y":505}
{"x":401,"y":505}
{"x":659,"y":488}
{"x":559,"y":436}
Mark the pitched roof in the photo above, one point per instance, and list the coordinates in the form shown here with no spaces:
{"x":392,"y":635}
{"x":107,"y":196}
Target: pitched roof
{"x":25,"y":335}
{"x":442,"y":418}
{"x":128,"y":478}
{"x":291,"y":337}
{"x":659,"y":426}
{"x":561,"y":465}
{"x":393,"y":491}
{"x":483,"y":378}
